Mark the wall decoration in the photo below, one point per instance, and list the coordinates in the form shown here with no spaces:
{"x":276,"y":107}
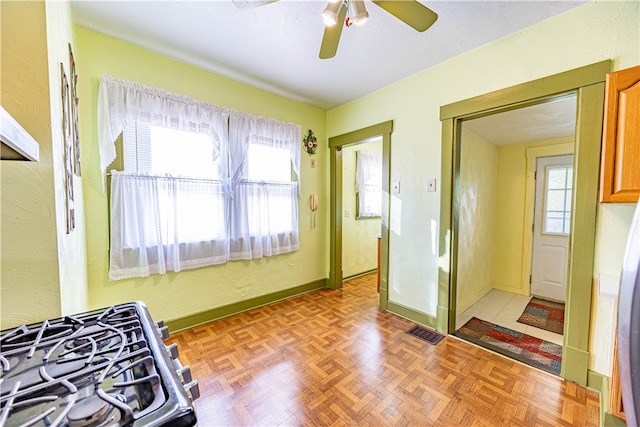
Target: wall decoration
{"x":74,"y":114}
{"x":310,"y":143}
{"x":68,"y":151}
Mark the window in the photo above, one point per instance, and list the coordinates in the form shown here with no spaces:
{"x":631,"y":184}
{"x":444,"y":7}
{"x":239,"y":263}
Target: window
{"x":194,"y":193}
{"x":557,"y":210}
{"x":264,"y":208}
{"x":201,"y":185}
{"x":369,"y":184}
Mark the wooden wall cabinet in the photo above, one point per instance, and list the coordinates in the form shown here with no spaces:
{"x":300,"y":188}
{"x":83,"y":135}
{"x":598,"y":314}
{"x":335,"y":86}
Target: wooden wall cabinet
{"x":620,"y":163}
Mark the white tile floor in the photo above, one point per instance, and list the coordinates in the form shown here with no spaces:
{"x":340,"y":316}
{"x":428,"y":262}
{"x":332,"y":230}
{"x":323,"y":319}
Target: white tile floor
{"x":504,"y":308}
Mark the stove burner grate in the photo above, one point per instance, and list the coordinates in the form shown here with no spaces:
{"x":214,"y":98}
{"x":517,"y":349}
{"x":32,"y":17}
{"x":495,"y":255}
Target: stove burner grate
{"x":93,"y":369}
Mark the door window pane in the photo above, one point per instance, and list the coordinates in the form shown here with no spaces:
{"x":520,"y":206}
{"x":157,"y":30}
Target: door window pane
{"x":557,"y":209}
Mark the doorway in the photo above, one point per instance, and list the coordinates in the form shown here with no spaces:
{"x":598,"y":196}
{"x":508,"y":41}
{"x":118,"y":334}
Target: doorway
{"x":498,"y":156}
{"x":588,"y":85}
{"x":551,"y":227}
{"x":336,"y":144}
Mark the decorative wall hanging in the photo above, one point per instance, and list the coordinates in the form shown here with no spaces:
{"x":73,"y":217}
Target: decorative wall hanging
{"x":68,"y":151}
{"x":74,"y":114}
{"x":310,"y":143}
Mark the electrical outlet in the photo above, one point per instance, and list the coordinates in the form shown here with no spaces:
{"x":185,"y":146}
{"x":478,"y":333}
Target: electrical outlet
{"x":347,"y":213}
{"x":431,"y":185}
{"x":395,"y":187}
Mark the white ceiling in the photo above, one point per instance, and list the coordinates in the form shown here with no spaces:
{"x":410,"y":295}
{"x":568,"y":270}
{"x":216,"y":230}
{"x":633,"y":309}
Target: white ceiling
{"x":540,"y":122}
{"x":275,"y":47}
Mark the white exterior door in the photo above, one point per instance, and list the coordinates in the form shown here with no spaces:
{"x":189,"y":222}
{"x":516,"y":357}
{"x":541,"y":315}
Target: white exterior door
{"x":552,"y":221}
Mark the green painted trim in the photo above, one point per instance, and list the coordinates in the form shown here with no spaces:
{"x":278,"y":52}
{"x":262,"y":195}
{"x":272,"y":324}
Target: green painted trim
{"x":446,"y":293}
{"x":587,"y":82}
{"x":611,"y":421}
{"x":361,"y":134}
{"x":552,"y":85}
{"x":335,"y":218}
{"x":575,"y":363}
{"x":411,"y":314}
{"x":583,"y":232}
{"x":600,"y":383}
{"x":187,"y":322}
{"x":597,"y":382}
{"x":335,"y":206}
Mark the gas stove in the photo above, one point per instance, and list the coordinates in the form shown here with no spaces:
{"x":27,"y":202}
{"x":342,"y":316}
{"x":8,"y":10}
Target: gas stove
{"x":106,"y":367}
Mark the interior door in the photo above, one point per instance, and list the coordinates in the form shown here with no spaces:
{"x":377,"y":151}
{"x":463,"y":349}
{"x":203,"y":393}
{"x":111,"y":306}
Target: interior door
{"x":552,"y":221}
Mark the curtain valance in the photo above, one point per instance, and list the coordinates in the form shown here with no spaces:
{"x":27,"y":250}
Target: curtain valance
{"x":121,"y":102}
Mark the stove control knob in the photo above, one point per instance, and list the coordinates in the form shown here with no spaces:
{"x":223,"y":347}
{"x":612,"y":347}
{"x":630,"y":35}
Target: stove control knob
{"x":185,"y":373}
{"x":173,"y":350}
{"x":163,"y":330}
{"x":193,"y":390}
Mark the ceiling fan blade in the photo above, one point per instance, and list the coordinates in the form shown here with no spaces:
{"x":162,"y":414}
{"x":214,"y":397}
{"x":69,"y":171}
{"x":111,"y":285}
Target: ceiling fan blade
{"x":410,"y":12}
{"x":251,"y":4}
{"x":331,"y":36}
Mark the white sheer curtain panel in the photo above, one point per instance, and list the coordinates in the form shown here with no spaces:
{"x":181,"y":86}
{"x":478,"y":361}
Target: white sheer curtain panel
{"x":369,"y":183}
{"x":164,"y":223}
{"x":121,"y":102}
{"x":264,"y":215}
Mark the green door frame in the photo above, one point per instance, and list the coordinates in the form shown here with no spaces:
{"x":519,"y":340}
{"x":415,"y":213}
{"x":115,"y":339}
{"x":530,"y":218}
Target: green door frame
{"x":335,"y":216}
{"x":588,"y":83}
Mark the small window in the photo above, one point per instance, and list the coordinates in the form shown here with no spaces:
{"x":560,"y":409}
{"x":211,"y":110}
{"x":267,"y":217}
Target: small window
{"x":557,"y":212}
{"x":368,"y":184}
{"x":190,"y":208}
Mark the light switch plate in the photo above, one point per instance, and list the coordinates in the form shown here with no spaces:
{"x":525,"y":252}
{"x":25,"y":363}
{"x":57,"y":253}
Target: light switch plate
{"x":395,"y":187}
{"x":431,"y":185}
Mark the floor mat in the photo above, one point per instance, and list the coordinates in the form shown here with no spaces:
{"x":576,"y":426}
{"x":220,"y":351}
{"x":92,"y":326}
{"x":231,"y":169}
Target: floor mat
{"x":543,"y":314}
{"x":525,"y":348}
{"x":426,"y":334}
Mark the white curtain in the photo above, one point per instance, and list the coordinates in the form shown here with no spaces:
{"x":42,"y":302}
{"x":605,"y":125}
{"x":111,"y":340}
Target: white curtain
{"x":264,"y":215}
{"x":369,"y":183}
{"x":121,"y":102}
{"x":168,"y":223}
{"x":164,"y":223}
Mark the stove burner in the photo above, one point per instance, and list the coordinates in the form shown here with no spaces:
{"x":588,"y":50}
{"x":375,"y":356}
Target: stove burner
{"x":100,"y":368}
{"x":89,"y":334}
{"x":88,"y":412}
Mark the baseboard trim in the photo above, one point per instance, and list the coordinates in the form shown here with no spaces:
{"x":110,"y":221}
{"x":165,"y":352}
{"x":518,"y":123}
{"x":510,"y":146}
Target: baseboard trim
{"x":364,"y":273}
{"x":413,"y":315}
{"x":461,"y":307}
{"x":190,"y":321}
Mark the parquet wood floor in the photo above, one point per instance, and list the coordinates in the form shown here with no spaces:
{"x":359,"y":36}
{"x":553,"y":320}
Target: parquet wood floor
{"x":334,"y":358}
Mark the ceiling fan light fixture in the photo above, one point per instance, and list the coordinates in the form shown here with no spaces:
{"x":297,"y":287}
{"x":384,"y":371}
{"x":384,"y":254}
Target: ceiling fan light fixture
{"x":330,"y":13}
{"x":360,"y":12}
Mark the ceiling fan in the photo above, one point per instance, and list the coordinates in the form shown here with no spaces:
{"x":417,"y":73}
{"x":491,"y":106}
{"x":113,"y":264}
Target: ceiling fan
{"x":411,"y":12}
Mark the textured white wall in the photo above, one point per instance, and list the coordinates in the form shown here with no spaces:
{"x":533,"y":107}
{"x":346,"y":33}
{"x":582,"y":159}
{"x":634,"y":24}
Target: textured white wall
{"x":72,"y":252}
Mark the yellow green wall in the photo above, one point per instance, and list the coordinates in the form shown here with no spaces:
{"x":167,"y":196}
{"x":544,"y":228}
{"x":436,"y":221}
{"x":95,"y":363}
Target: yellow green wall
{"x":29,"y":252}
{"x":43,"y":272}
{"x":359,"y":242}
{"x":508,"y":243}
{"x":477,"y":218}
{"x":173,"y":296}
{"x":587,"y":34}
